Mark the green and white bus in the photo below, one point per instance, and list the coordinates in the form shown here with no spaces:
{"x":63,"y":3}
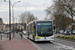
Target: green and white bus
{"x":40,"y":30}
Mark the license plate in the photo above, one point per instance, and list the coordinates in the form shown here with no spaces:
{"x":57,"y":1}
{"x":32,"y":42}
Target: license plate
{"x":45,"y":40}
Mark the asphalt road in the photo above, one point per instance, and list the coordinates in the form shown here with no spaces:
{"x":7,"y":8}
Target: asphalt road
{"x":57,"y":44}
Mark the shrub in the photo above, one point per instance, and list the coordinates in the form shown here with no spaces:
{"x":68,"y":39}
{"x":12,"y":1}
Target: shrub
{"x":66,"y":37}
{"x":62,"y":36}
{"x":73,"y":38}
{"x":58,"y":36}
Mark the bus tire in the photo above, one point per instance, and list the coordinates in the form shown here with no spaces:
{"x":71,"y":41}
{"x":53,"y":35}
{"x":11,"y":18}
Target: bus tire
{"x":36,"y":41}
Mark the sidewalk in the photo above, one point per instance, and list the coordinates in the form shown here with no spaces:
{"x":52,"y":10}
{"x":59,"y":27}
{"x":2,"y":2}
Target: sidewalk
{"x":16,"y":44}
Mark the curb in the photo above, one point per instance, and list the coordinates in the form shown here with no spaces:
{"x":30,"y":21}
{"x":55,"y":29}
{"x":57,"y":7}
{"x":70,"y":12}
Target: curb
{"x":35,"y":45}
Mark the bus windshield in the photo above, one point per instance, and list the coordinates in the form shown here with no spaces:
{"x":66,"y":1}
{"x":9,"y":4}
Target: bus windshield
{"x":44,"y":29}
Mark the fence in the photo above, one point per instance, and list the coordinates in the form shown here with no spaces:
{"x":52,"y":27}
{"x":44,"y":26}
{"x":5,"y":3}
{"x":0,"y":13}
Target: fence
{"x":4,"y":36}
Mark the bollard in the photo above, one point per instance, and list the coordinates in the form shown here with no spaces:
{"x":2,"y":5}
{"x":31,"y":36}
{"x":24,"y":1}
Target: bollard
{"x":7,"y":35}
{"x":1,"y":36}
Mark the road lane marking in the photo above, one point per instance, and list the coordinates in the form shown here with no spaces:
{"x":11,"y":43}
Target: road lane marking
{"x":63,"y":46}
{"x":58,"y":49}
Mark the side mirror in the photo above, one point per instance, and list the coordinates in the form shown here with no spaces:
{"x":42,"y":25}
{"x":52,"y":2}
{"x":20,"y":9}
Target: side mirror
{"x":54,"y":27}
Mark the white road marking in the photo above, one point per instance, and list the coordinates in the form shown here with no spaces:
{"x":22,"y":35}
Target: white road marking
{"x":58,"y":49}
{"x":64,"y":46}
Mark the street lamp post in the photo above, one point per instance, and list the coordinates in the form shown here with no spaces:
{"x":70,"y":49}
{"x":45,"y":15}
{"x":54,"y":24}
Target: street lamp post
{"x":16,"y":22}
{"x":9,"y":20}
{"x":10,"y":16}
{"x":15,"y":19}
{"x":13,"y":15}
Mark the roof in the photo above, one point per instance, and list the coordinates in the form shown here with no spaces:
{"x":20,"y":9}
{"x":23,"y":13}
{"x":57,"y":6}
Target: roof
{"x":37,"y":20}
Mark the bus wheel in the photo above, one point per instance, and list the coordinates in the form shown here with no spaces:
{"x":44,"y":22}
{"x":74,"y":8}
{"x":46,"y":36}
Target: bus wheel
{"x":48,"y":41}
{"x":36,"y":41}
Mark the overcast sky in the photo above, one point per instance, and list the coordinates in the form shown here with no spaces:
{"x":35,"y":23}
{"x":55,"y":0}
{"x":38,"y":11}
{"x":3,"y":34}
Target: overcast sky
{"x":36,"y":7}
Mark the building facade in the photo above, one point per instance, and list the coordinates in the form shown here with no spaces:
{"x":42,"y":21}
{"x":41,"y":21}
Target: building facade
{"x":1,"y":24}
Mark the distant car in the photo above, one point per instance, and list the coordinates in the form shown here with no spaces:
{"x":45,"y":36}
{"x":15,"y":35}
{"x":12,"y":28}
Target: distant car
{"x":24,"y":32}
{"x":67,"y":32}
{"x":7,"y":32}
{"x":73,"y":31}
{"x":61,"y":31}
{"x":56,"y":32}
{"x":1,"y":32}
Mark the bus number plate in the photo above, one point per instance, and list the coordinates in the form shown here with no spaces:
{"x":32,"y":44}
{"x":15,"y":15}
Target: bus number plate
{"x":45,"y":40}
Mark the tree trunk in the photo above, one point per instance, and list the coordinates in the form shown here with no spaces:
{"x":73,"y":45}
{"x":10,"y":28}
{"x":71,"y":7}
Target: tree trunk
{"x":72,"y":25}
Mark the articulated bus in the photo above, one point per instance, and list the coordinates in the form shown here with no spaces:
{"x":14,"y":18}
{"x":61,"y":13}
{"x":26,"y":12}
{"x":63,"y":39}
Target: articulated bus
{"x":40,"y":30}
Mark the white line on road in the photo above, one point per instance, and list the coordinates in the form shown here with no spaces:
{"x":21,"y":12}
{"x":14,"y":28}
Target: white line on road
{"x":58,"y":49}
{"x":63,"y":46}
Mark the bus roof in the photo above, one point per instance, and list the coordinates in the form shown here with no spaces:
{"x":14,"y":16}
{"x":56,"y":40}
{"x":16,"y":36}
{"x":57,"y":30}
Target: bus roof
{"x":43,"y":20}
{"x":37,"y":20}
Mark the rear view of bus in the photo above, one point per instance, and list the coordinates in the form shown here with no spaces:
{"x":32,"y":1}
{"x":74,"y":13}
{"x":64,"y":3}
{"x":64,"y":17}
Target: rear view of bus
{"x":44,"y":31}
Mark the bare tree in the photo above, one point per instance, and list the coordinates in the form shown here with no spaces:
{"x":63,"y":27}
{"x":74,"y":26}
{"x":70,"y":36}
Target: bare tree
{"x":69,"y":6}
{"x":61,"y":9}
{"x":26,"y":17}
{"x":46,"y":18}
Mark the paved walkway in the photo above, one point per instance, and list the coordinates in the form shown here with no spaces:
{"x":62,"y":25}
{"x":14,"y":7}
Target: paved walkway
{"x":16,"y":44}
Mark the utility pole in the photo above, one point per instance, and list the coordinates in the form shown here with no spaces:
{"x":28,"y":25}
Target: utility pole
{"x":10,"y":16}
{"x":13,"y":15}
{"x":9,"y":19}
